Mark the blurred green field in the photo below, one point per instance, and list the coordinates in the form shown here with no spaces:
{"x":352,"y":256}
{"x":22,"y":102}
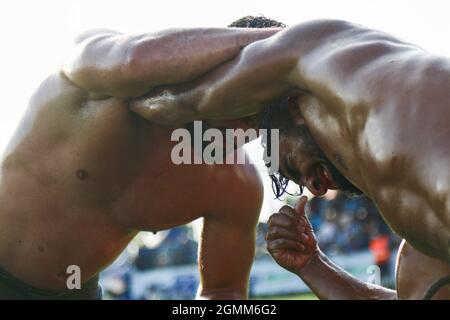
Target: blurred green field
{"x":303,"y":296}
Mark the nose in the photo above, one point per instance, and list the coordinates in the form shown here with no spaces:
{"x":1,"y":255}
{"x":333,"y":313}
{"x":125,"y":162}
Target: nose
{"x":314,"y":186}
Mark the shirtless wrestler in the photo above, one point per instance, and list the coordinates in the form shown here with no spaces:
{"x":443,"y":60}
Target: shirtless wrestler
{"x":292,"y":243}
{"x":83,"y":174}
{"x":377,"y":109}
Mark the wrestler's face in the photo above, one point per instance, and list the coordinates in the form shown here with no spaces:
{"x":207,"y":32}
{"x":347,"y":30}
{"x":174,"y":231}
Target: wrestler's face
{"x":302,"y":161}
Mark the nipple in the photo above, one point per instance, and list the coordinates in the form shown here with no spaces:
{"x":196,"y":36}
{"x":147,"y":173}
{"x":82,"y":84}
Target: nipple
{"x":82,"y":174}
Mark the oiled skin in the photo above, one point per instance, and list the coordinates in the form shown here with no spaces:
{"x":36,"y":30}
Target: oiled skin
{"x":292,"y":243}
{"x":415,"y":273}
{"x":378,"y":107}
{"x":82,"y":174}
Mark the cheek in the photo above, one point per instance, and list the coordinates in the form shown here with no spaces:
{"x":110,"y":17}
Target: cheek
{"x":301,"y":153}
{"x":308,"y":150}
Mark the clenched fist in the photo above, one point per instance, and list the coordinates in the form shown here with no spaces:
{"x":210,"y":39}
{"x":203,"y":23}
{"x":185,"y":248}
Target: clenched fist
{"x":290,"y":239}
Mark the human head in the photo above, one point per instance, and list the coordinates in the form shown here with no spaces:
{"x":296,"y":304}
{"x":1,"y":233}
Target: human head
{"x":300,"y":157}
{"x":256,"y":22}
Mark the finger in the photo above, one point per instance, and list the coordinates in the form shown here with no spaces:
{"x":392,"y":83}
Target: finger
{"x":304,"y":222}
{"x":304,"y":238}
{"x":290,"y":212}
{"x":281,"y":220}
{"x":283,"y":233}
{"x":298,"y":221}
{"x":279,"y":232}
{"x":287,"y":223}
{"x":300,"y":205}
{"x":284,"y":244}
{"x":272,"y":218}
{"x":286,"y":209}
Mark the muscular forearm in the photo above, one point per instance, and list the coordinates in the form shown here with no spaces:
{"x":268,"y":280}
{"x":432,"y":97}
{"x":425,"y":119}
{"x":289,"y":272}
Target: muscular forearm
{"x":263,"y":72}
{"x":236,"y":89}
{"x":329,"y":281}
{"x":119,"y":65}
{"x":186,"y":54}
{"x":318,"y":57}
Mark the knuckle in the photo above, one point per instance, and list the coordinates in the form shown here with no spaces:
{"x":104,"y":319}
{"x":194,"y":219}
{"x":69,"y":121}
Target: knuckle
{"x":285,"y":208}
{"x":274,"y":230}
{"x":270,"y":221}
{"x":273,"y":218}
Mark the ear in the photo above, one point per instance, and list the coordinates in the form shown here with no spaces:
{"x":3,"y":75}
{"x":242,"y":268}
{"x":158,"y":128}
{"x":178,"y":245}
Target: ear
{"x":294,"y":110}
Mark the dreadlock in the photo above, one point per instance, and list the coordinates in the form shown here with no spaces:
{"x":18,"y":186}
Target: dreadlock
{"x":279,"y":181}
{"x":256,"y":22}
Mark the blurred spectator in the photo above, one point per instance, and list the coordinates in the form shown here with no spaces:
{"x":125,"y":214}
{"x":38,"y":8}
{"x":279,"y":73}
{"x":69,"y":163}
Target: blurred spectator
{"x":178,"y":248}
{"x":260,"y":245}
{"x":326,"y":232}
{"x":379,"y":246}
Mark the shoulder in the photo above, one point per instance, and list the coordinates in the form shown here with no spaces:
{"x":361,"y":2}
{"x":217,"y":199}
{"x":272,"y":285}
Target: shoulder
{"x":244,"y":179}
{"x":348,"y":46}
{"x":238,"y":191}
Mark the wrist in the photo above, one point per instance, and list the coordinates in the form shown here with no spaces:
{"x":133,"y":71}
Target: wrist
{"x":222,"y":294}
{"x":311,"y":265}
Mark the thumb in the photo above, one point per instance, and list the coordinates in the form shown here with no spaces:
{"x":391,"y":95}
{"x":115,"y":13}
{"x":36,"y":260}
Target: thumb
{"x":300,"y":205}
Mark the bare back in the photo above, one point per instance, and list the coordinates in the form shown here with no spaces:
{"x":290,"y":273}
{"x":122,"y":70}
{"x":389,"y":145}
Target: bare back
{"x":385,"y":106}
{"x":377,"y":106}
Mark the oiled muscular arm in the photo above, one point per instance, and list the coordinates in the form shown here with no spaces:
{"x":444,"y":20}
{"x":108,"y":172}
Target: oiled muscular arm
{"x":233,"y":90}
{"x":292,"y":243}
{"x":227,"y":245}
{"x":336,"y":61}
{"x":262,"y":72}
{"x":330,"y":282}
{"x":108,"y":63}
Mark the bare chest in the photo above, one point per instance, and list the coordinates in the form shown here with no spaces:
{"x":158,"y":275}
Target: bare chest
{"x":108,"y":162}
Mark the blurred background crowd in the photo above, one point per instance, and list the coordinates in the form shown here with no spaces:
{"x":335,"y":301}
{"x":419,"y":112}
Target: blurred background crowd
{"x":164,"y":266}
